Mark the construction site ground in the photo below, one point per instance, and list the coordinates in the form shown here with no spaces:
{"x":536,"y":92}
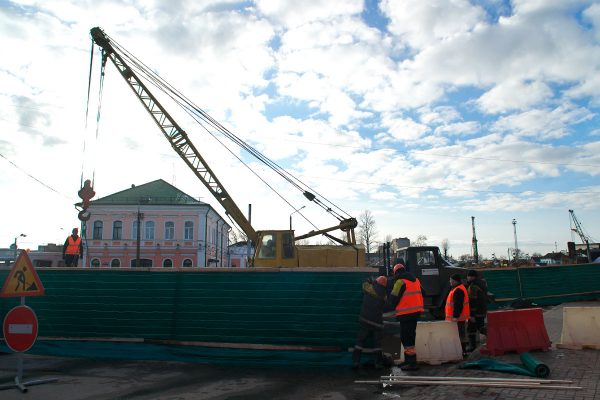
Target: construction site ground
{"x":86,"y":379}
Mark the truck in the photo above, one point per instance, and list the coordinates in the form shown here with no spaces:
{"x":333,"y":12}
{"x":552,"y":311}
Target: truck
{"x":432,"y":270}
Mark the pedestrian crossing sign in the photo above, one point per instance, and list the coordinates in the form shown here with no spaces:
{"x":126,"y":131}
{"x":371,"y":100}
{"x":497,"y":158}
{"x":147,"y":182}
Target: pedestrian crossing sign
{"x":22,"y":279}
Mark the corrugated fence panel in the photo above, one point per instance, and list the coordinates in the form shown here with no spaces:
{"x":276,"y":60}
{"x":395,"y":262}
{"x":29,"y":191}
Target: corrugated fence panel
{"x":281,"y":308}
{"x":503,"y":283}
{"x":553,"y":285}
{"x":544,"y":285}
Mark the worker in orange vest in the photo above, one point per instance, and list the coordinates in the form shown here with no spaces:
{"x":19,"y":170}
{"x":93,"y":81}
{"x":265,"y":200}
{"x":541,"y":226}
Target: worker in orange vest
{"x":457,"y":307}
{"x":406,"y":298}
{"x":72,"y":249}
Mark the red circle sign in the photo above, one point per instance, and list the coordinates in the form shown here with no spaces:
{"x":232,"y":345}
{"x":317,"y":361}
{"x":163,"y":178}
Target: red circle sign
{"x":20,"y":328}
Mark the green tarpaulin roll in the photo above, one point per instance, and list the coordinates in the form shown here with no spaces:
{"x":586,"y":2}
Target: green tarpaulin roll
{"x":530,"y":367}
{"x":534,"y":365}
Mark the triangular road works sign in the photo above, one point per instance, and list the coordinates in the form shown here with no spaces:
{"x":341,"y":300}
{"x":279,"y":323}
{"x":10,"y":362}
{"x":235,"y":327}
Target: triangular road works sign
{"x":22,"y":279}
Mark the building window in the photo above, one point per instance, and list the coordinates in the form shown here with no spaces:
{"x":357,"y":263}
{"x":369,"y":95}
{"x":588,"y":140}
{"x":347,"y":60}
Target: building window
{"x":95,"y":263}
{"x":149,"y":230}
{"x":188,"y":232}
{"x":144,"y":263}
{"x":97,"y":233}
{"x":169,"y":230}
{"x":167,"y":263}
{"x":187,"y":263}
{"x":134,"y":230}
{"x":115,"y":263}
{"x":117,"y":230}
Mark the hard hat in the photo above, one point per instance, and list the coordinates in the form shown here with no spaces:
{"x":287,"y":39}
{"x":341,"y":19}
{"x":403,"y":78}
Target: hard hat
{"x":382,"y":280}
{"x":398,"y":267}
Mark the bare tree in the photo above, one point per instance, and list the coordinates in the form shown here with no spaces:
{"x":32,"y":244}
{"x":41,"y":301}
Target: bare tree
{"x":445,"y":247}
{"x":367,"y":230}
{"x":421,"y":241}
{"x":236,"y":236}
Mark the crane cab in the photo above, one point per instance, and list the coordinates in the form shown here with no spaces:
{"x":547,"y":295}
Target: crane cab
{"x":276,"y":249}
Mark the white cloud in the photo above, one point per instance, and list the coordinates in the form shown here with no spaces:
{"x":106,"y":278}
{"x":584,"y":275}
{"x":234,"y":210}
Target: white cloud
{"x":438,"y":115}
{"x":420,"y":23}
{"x":543,"y":124}
{"x":503,"y":97}
{"x":292,"y":15}
{"x":403,"y":129}
{"x":458,"y":128}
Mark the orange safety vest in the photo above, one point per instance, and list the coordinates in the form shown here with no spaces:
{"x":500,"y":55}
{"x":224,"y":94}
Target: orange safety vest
{"x":412,"y":298}
{"x":466,"y":310}
{"x":73,"y":245}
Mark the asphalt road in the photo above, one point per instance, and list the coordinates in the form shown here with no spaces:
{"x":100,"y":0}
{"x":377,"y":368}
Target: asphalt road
{"x":81,"y":379}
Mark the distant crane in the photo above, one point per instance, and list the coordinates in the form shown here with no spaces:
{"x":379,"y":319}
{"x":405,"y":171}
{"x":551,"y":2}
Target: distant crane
{"x":475,"y":251}
{"x":579,"y":230}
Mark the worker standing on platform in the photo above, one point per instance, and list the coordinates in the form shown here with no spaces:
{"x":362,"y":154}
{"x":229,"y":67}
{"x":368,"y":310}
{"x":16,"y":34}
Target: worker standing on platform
{"x":478,"y":299}
{"x":406,"y":298}
{"x":457,"y":307}
{"x":72,"y":249}
{"x":371,"y":320}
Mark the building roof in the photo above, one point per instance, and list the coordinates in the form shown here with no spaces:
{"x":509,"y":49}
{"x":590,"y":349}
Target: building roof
{"x":157,"y":192}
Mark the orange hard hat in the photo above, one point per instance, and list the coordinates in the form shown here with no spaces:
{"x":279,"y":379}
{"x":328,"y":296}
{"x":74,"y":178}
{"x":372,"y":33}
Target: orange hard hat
{"x":398,"y":267}
{"x":382,"y":280}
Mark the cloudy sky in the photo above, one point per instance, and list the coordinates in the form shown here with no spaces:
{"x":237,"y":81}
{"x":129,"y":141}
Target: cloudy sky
{"x":424,"y":112}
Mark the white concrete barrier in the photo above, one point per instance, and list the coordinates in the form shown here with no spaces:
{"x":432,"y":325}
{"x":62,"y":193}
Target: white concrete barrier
{"x":437,"y":342}
{"x":581,"y":328}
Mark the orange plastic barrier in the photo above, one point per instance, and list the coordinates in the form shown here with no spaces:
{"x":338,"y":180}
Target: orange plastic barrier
{"x":515,"y":331}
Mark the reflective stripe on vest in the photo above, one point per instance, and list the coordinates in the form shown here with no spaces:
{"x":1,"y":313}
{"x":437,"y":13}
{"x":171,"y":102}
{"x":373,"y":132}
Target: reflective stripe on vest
{"x":466,"y":311}
{"x":412,"y":298}
{"x":73,"y":245}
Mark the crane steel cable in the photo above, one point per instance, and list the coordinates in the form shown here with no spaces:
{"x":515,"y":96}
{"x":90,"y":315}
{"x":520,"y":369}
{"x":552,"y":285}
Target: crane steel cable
{"x":198,"y":114}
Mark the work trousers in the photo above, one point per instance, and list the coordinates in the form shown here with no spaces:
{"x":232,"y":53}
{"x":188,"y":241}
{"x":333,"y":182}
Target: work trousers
{"x":366,"y":331}
{"x":408,"y":332}
{"x":71,"y":260}
{"x":461,"y":331}
{"x":477,"y":326}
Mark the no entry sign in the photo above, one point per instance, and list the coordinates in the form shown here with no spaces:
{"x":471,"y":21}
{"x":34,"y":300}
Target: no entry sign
{"x":20,"y":328}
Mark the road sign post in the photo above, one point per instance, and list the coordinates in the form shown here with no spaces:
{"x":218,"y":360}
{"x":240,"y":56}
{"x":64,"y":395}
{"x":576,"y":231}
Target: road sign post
{"x":20,"y":326}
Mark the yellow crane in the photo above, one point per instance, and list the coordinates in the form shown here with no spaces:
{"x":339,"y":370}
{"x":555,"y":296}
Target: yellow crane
{"x":273,"y":248}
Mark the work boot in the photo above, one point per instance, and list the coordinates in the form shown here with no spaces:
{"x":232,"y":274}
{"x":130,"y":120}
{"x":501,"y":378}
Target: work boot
{"x":472,"y":346}
{"x":410,"y":363}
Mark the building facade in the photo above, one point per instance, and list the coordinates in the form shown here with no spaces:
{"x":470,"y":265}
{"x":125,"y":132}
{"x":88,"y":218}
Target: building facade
{"x":165,"y":226}
{"x":239,"y":253}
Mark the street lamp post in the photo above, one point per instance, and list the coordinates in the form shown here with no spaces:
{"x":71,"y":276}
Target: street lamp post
{"x":15,"y":244}
{"x":514,"y":222}
{"x":295,"y":211}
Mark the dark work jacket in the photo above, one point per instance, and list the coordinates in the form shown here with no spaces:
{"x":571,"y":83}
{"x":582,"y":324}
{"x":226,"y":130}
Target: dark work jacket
{"x":374,"y":296}
{"x":397,"y":290}
{"x":478,"y":298}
